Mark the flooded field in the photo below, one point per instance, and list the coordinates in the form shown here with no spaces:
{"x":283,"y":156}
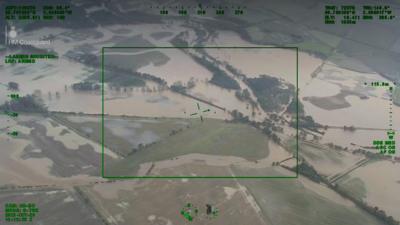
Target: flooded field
{"x":226,"y":99}
{"x":40,"y":155}
{"x":355,"y":139}
{"x":331,"y":81}
{"x":328,"y":161}
{"x":132,"y":103}
{"x":124,"y":135}
{"x":46,"y":77}
{"x":54,"y":87}
{"x":274,"y":61}
{"x":378,"y":184}
{"x":180,"y":67}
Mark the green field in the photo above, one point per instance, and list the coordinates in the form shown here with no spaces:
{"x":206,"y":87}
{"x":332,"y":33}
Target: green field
{"x":396,"y":96}
{"x":214,"y":137}
{"x":163,"y":200}
{"x":327,"y":161}
{"x":354,"y":186}
{"x":329,"y":39}
{"x":288,"y":202}
{"x":135,"y":41}
{"x":135,"y":131}
{"x":119,"y":58}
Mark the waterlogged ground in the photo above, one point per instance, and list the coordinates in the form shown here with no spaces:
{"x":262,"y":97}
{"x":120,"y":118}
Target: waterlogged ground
{"x":377,"y":183}
{"x":67,"y":152}
{"x":46,"y":152}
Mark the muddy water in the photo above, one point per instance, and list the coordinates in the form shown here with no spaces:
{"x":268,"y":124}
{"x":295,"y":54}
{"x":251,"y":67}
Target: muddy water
{"x":180,"y":67}
{"x":382,"y":184}
{"x":271,"y":61}
{"x":134,"y":103}
{"x":225,"y":99}
{"x":372,"y":112}
{"x":50,"y":76}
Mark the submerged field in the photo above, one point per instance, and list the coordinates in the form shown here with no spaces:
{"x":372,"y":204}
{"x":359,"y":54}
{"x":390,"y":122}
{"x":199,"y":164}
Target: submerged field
{"x":376,"y":183}
{"x":65,"y":149}
{"x":327,"y":161}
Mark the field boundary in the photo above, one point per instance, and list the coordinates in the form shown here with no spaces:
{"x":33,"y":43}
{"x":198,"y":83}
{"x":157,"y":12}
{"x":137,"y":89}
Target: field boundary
{"x":198,"y":177}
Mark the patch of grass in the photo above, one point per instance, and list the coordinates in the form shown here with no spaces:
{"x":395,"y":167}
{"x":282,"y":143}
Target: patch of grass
{"x":316,"y":154}
{"x":135,"y":131}
{"x":315,"y":47}
{"x":135,"y":41}
{"x":289,"y":202}
{"x":214,"y":137}
{"x":119,"y":59}
{"x":354,"y":186}
{"x":161,"y":35}
{"x":326,"y":38}
{"x":396,"y":95}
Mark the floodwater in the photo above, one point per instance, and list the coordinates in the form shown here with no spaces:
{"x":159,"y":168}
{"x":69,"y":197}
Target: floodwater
{"x":45,"y":76}
{"x":134,"y":103}
{"x":355,"y":139}
{"x":276,"y":62}
{"x":51,"y":77}
{"x":180,"y":67}
{"x":381,"y":181}
{"x":372,"y":112}
{"x":225,"y":99}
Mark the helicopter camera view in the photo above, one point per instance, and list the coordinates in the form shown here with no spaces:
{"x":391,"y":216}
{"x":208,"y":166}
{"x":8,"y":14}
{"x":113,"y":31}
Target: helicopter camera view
{"x":121,"y":112}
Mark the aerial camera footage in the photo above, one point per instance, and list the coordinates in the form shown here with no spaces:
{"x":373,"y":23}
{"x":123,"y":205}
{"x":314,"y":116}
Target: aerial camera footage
{"x":199,"y":112}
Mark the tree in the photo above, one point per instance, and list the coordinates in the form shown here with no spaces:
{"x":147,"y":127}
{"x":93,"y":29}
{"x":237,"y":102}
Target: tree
{"x":191,"y":83}
{"x":13,"y":86}
{"x":26,"y":103}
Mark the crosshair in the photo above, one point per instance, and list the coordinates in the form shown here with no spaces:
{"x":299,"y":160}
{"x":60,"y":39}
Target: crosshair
{"x":200,"y":112}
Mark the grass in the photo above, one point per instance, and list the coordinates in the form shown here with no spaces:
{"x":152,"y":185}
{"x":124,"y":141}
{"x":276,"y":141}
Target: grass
{"x":214,"y":137}
{"x":314,"y":47}
{"x":316,"y":154}
{"x":124,"y":144}
{"x":164,"y":199}
{"x":354,"y":186}
{"x":289,"y":202}
{"x":329,"y":39}
{"x":396,"y":95}
{"x":137,"y":40}
{"x":133,"y":62}
{"x":161,"y":35}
